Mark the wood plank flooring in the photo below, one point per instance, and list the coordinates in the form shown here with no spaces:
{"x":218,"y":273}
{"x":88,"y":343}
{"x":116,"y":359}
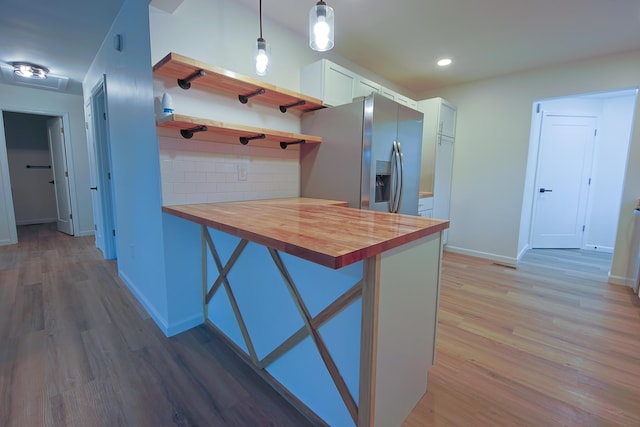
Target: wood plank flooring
{"x":547,"y":344}
{"x":76,"y":349}
{"x":542,"y":345}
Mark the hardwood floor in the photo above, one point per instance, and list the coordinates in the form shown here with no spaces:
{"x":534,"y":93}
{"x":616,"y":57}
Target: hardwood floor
{"x":76,"y":349}
{"x":541,"y":345}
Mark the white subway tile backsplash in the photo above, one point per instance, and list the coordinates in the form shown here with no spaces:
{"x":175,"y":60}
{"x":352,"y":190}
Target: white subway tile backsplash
{"x":195,"y":177}
{"x":196,"y":198}
{"x":212,"y":175}
{"x":183,"y":165}
{"x":182,"y":187}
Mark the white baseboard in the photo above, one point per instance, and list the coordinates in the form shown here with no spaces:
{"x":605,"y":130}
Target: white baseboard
{"x":166,"y":328}
{"x":160,"y":321}
{"x":85,"y":233}
{"x":508,"y":261}
{"x":185,"y":324}
{"x":6,"y":242}
{"x":605,"y":249}
{"x":619,"y":280}
{"x":35,"y":221}
{"x":522,"y":252}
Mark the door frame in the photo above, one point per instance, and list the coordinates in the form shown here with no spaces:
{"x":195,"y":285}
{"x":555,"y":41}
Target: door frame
{"x":100,"y":139}
{"x":4,"y":166}
{"x":588,"y":163}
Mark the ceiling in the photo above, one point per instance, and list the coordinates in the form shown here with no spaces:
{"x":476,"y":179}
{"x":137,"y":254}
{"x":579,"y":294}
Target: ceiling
{"x":63,"y":36}
{"x":398,"y":40}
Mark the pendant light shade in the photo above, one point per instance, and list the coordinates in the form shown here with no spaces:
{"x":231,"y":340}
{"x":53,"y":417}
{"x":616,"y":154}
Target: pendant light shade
{"x":262,"y":55}
{"x":262,"y":52}
{"x":321,"y":27}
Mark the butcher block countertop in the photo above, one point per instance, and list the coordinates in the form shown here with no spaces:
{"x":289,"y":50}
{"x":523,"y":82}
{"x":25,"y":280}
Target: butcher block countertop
{"x":322,"y":231}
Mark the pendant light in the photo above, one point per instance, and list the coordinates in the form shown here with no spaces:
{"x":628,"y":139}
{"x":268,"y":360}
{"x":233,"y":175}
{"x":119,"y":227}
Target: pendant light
{"x":321,"y":27}
{"x":263,"y":52}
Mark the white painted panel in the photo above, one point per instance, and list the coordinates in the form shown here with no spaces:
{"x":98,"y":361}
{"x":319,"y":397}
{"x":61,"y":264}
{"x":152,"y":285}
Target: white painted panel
{"x":407,"y":321}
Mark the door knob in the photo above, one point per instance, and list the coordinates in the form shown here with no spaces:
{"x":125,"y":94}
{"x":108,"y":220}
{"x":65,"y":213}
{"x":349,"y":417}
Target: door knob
{"x":94,"y":188}
{"x":51,"y":182}
{"x":544,"y":190}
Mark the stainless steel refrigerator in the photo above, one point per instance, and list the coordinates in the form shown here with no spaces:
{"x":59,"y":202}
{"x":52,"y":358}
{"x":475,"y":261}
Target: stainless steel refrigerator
{"x":369,"y":155}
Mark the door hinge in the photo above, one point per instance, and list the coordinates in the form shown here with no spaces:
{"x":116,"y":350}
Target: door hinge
{"x":95,"y":227}
{"x":583,"y":227}
{"x":538,"y":108}
{"x":104,"y":116}
{"x":70,"y":216}
{"x":595,"y":132}
{"x":109,"y":175}
{"x":62,"y":130}
{"x":66,"y":173}
{"x":589,"y":181}
{"x":113,"y":232}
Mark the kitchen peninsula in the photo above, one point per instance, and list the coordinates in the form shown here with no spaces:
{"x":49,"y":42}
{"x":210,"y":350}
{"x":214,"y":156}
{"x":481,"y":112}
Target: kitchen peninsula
{"x":335,"y":307}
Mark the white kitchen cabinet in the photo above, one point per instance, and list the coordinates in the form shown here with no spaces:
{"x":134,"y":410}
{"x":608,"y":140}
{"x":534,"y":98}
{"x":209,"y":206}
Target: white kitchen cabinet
{"x":438,"y":141}
{"x":425,"y":207}
{"x":364,"y":87}
{"x":328,"y":81}
{"x":442,"y":180}
{"x":337,"y":85}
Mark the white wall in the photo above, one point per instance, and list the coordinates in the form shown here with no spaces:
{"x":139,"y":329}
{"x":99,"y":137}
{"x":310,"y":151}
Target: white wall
{"x":28,"y":100}
{"x":135,"y":157}
{"x":492,"y":147}
{"x":610,"y":159}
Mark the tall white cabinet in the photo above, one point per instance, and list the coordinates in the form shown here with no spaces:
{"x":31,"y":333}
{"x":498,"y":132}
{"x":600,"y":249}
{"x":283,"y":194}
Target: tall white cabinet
{"x":438,"y":141}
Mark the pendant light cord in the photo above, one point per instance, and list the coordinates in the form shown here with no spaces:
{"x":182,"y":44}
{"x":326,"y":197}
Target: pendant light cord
{"x":260,"y":18}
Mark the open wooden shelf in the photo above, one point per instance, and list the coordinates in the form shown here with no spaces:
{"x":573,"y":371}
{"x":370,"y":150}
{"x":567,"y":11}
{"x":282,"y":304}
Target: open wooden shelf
{"x":230,"y":132}
{"x":218,"y":79}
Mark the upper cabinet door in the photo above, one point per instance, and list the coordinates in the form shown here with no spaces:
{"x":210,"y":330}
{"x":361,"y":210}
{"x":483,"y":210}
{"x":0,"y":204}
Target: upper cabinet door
{"x":364,"y":87}
{"x":327,"y":81}
{"x":447,"y":120}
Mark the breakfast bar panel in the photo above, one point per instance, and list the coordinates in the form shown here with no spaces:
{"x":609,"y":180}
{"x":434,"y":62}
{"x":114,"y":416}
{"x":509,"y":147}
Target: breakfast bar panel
{"x":261,"y":306}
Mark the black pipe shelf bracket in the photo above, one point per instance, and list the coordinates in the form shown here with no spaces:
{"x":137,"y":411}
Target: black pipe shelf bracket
{"x":245,"y":98}
{"x":244,"y":140}
{"x":38,"y":167}
{"x":283,"y":108}
{"x":284,"y":145}
{"x":186,"y":83}
{"x":188,"y":133}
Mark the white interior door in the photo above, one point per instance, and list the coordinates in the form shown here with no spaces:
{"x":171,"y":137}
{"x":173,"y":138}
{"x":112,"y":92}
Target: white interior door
{"x":93,"y":176}
{"x":55,"y":132}
{"x":562,"y":181}
{"x":104,"y":212}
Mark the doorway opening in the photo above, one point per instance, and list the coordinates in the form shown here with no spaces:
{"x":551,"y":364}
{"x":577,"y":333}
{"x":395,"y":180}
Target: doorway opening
{"x":578,"y":154}
{"x":38,"y":171}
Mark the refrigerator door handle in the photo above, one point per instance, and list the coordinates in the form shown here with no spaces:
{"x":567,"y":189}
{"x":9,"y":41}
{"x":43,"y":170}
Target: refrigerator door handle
{"x":394,"y":177}
{"x":400,"y":177}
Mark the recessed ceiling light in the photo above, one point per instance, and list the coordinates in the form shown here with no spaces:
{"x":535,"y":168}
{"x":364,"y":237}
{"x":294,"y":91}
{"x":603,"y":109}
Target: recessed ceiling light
{"x":444,"y":62}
